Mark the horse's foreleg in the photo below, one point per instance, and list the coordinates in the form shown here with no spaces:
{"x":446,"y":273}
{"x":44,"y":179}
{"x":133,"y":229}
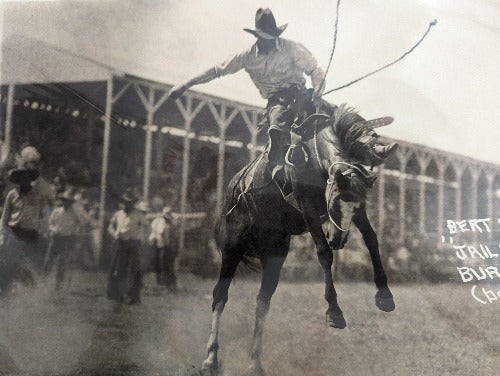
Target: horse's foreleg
{"x":383,"y":299}
{"x":220,"y":295}
{"x":334,"y":315}
{"x":270,"y":276}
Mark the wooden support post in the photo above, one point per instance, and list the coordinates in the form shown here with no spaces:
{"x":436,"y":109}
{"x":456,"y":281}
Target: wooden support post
{"x":188,"y":114}
{"x":148,"y":146}
{"x":223,"y":121}
{"x":381,"y":202}
{"x":105,"y":161}
{"x":440,"y":203}
{"x":9,"y":115}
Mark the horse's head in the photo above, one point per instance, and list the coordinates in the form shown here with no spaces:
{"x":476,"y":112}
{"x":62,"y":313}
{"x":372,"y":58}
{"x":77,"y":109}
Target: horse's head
{"x":348,"y":181}
{"x":345,"y":193}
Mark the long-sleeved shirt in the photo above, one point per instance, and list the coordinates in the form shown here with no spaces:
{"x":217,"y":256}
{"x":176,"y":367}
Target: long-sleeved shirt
{"x":278,"y":69}
{"x":63,"y":222}
{"x":160,"y":232}
{"x":129,"y":226}
{"x":23,"y":211}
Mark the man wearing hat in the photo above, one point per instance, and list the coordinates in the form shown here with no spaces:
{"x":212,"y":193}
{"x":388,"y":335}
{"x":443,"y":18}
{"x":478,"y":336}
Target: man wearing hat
{"x":19,"y":227}
{"x":64,"y":225}
{"x":165,"y":253}
{"x":127,"y":229}
{"x":31,"y":159}
{"x":276,"y":67}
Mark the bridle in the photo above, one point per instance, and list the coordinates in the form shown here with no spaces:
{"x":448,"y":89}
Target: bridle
{"x":330,"y":179}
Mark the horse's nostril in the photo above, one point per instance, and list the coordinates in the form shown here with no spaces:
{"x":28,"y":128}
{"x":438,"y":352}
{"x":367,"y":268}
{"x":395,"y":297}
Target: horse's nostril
{"x":335,"y":239}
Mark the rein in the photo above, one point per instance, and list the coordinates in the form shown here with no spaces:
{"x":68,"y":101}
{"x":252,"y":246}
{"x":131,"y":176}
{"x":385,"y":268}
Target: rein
{"x":330,"y":180}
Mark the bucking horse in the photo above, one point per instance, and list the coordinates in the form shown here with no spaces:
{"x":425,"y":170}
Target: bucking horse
{"x":261,"y":212}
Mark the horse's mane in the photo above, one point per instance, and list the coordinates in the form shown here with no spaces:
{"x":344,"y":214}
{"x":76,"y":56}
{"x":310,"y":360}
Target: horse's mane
{"x":343,"y":124}
{"x":342,"y":121}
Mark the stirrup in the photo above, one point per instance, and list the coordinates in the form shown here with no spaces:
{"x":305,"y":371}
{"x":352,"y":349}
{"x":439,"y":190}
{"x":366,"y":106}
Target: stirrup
{"x":291,"y":157}
{"x":278,"y":171}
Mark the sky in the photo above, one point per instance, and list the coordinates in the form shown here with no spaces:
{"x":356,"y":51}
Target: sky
{"x":444,"y":95}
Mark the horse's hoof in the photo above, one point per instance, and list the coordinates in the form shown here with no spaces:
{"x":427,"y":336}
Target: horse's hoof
{"x":335,"y":320}
{"x":209,"y":368}
{"x":384,"y":300}
{"x":255,"y":369}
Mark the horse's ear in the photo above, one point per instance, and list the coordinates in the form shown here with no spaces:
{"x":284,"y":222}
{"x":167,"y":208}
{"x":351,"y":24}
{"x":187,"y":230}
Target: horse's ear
{"x":341,"y":180}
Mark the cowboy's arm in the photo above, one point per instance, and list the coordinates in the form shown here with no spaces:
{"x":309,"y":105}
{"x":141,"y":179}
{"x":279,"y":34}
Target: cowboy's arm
{"x":306,"y":61}
{"x":7,"y":208}
{"x":112,"y":228}
{"x":229,"y":66}
{"x":52,"y":221}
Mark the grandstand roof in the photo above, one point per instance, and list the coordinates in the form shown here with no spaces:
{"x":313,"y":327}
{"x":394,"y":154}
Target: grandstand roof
{"x":25,"y":60}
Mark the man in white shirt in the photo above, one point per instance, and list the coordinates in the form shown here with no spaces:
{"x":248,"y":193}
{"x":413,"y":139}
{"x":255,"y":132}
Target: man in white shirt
{"x":127,"y":228}
{"x":63,"y":226}
{"x":165,"y":253}
{"x":19,"y":229}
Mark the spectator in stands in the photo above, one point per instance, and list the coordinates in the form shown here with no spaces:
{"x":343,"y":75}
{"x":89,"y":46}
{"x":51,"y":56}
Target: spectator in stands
{"x":86,"y":254}
{"x":165,"y":253}
{"x":64,"y":225}
{"x":127,"y":229}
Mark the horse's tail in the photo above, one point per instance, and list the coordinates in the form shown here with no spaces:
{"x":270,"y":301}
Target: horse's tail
{"x":248,"y":262}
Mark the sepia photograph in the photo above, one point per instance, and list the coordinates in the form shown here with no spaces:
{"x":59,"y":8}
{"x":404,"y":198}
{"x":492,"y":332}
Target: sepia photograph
{"x":225,"y":188}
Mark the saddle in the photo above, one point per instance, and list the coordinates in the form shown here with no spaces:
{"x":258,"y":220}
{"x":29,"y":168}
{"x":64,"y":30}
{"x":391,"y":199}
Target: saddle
{"x":258,"y":176}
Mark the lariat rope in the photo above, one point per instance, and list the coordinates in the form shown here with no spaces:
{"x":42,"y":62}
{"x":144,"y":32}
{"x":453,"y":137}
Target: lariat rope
{"x":334,"y":44}
{"x":431,"y":24}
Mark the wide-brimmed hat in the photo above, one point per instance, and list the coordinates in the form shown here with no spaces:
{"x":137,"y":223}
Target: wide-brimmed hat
{"x":128,"y":198}
{"x":142,"y":206}
{"x":265,"y":25}
{"x":18,"y":175}
{"x":67,"y":196}
{"x":166,"y":212}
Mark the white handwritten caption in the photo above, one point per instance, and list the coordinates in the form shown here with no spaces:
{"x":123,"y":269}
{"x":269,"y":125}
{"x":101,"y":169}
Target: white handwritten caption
{"x":468,"y":252}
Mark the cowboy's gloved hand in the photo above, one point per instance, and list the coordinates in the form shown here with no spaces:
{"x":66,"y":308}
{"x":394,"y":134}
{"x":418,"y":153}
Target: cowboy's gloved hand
{"x":316,"y":96}
{"x":317,"y":101}
{"x":177,"y":91}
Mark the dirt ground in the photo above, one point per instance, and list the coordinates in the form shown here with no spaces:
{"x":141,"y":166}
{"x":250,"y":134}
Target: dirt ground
{"x":435,"y":330}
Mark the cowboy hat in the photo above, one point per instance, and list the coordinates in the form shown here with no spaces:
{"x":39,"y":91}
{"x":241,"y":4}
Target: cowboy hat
{"x":142,"y":206}
{"x":128,"y":197}
{"x":265,"y":25}
{"x":18,"y":175}
{"x":66,"y":196}
{"x":166,"y":212}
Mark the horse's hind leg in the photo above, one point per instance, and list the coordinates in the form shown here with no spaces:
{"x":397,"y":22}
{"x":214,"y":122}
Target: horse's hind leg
{"x":383,"y":299}
{"x":230,"y":261}
{"x":271,"y":267}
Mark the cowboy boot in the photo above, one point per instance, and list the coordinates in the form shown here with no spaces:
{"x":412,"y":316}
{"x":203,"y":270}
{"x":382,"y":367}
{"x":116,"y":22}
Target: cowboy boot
{"x":383,"y":151}
{"x":379,"y":152}
{"x":369,"y":150}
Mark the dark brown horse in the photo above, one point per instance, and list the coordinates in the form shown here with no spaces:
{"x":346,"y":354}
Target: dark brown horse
{"x":257,"y":221}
